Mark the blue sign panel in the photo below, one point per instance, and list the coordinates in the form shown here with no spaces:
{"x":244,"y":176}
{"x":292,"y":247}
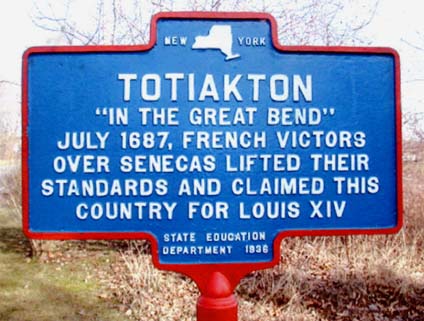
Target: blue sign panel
{"x":213,"y":139}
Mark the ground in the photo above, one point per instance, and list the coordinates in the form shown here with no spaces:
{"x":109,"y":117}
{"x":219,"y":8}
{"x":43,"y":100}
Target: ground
{"x":59,"y":285}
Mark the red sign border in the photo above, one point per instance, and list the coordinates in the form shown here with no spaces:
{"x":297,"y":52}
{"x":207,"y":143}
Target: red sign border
{"x":198,"y":272}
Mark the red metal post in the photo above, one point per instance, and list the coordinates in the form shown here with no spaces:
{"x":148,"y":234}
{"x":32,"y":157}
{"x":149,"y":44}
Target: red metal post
{"x":217,"y":302}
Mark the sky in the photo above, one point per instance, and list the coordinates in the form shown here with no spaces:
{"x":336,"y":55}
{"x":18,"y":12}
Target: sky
{"x":17,"y":32}
{"x":397,"y":24}
{"x":400,"y":25}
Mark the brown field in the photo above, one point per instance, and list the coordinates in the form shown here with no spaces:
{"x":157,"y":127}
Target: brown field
{"x":319,"y":278}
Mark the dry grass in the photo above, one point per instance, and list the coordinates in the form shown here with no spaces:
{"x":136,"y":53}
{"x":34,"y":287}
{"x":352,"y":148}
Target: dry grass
{"x":61,"y":285}
{"x":148,"y":293}
{"x":319,"y":278}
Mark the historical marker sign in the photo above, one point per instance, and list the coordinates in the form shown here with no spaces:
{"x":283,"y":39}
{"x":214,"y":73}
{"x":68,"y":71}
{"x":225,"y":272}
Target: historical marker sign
{"x":213,"y":140}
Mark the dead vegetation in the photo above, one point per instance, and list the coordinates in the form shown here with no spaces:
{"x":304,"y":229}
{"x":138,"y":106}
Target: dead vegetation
{"x":319,"y":278}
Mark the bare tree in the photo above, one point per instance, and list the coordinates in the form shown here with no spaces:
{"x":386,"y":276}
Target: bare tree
{"x":9,"y":124}
{"x":107,"y":22}
{"x":413,"y":124}
{"x":413,"y":121}
{"x":308,"y":22}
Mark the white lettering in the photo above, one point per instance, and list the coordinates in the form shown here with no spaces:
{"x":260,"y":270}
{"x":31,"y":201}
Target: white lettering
{"x":127,"y":84}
